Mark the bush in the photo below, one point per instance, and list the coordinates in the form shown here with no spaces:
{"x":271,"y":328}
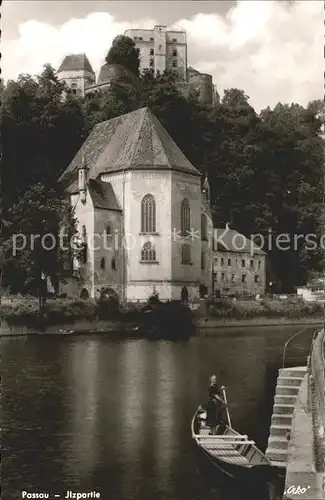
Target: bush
{"x":269,"y":307}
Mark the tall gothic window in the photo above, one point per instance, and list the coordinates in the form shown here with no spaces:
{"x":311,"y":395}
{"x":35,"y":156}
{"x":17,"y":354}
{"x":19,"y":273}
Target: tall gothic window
{"x":148,"y":214}
{"x":204,"y":231}
{"x":185,"y":217}
{"x":148,"y":252}
{"x":186,"y":254}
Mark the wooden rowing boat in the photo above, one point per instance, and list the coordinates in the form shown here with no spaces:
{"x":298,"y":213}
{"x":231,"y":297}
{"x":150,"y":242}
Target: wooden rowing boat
{"x":232,"y":453}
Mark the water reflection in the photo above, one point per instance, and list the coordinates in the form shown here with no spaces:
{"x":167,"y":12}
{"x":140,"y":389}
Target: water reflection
{"x":90,"y":413}
{"x":83,"y":401}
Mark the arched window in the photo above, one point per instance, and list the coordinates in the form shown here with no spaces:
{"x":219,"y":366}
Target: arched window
{"x":113,"y":264}
{"x":84,"y":246}
{"x":186,"y":254}
{"x":204,"y":229}
{"x":185,"y":217}
{"x":102,"y":263}
{"x":148,"y":252}
{"x":148,"y":214}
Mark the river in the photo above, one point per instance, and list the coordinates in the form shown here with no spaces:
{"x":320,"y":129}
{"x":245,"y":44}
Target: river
{"x":88,"y":413}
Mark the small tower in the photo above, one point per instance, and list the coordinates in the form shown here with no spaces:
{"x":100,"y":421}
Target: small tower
{"x":76,"y":71}
{"x":83,"y":172}
{"x":206,"y":191}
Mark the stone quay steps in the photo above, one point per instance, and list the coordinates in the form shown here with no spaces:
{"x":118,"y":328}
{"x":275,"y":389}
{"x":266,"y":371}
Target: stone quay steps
{"x":288,"y":384}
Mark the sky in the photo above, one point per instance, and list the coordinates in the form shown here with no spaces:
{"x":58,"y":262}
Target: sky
{"x":273,"y":50}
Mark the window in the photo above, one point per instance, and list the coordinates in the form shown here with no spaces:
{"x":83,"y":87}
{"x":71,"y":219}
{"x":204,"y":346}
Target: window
{"x":233,"y":278}
{"x":148,"y":214}
{"x":204,"y":231}
{"x":186,"y":254}
{"x":108,"y":234}
{"x":174,"y":39}
{"x":151,"y":39}
{"x":215,"y":276}
{"x":185,"y":217}
{"x":174,"y":53}
{"x":148,"y":252}
{"x":160,"y":47}
{"x":259,"y":264}
{"x":243,"y":278}
{"x":243,"y":263}
{"x":216,"y":260}
{"x":252,"y":264}
{"x":151,"y":52}
{"x":84,"y":246}
{"x":113,"y":264}
{"x":257,"y":278}
{"x":102,"y":263}
{"x":174,"y":64}
{"x":229,"y":262}
{"x":202,"y":260}
{"x":222,"y":260}
{"x":152,"y":63}
{"x":222,"y":276}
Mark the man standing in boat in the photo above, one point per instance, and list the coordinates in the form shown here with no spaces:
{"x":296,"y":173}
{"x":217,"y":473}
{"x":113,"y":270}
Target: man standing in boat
{"x":214,"y":406}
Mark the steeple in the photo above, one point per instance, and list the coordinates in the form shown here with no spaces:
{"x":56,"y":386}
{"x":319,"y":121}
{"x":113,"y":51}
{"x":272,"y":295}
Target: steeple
{"x":206,"y":190}
{"x":83,"y":179}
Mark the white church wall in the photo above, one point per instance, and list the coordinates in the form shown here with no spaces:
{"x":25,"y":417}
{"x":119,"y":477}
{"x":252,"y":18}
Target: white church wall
{"x":143,"y":277}
{"x":189,"y":275}
{"x":84,"y":213}
{"x":108,"y":247}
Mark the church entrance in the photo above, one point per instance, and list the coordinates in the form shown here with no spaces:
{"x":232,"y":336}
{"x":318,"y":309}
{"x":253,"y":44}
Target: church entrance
{"x":184,"y":295}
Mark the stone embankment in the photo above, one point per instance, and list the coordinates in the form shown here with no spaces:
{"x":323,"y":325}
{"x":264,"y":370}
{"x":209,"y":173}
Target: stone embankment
{"x":287,"y":388}
{"x":302,"y":480}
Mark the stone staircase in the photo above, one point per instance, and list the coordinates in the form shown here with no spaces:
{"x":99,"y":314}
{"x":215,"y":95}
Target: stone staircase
{"x":288,"y":384}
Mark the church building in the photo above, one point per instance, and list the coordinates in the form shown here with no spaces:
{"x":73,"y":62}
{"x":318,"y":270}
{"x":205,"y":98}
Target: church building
{"x":142,"y":213}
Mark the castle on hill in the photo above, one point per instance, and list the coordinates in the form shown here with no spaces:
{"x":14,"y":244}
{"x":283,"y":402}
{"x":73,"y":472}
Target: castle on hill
{"x":160,"y":50}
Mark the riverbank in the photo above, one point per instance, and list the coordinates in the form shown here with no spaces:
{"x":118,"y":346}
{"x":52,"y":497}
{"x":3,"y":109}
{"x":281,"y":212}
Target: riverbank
{"x":212,"y":323}
{"x":153,"y":319}
{"x":209,"y":328}
{"x":68,"y":316}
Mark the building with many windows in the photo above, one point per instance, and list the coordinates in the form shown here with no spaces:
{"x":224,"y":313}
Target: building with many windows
{"x":238,"y":264}
{"x":160,"y":50}
{"x":143,"y":216}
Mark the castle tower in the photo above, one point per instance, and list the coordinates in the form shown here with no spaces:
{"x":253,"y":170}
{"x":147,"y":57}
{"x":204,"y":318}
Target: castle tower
{"x":77,"y":73}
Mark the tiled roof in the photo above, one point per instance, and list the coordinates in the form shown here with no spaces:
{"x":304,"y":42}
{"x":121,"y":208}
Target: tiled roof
{"x":136,"y":140}
{"x":229,"y":240}
{"x":75,"y":62}
{"x":101,"y":193}
{"x":117,"y":72}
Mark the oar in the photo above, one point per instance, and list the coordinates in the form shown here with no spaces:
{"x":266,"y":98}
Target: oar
{"x":225,"y":400}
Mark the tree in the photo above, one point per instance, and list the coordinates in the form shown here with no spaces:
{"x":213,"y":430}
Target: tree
{"x":42,"y":127}
{"x":123,"y":51}
{"x":37,"y":239}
